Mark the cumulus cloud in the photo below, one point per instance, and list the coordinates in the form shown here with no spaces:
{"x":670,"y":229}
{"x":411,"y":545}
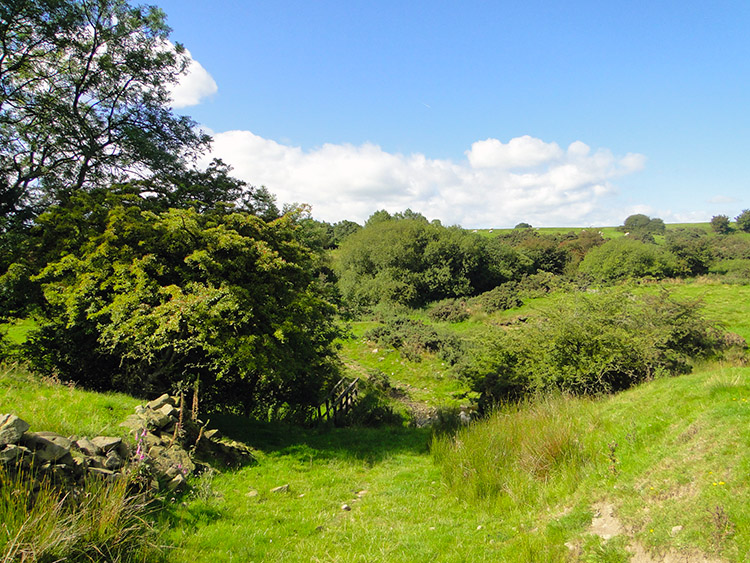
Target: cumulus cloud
{"x":193,"y":86}
{"x":498,"y":184}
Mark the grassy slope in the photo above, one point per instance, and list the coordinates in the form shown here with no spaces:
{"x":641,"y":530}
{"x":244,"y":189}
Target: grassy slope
{"x":681,"y":460}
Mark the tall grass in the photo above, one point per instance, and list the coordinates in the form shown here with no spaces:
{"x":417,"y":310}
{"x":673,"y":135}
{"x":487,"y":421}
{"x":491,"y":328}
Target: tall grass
{"x":103,"y":521}
{"x":517,"y":448}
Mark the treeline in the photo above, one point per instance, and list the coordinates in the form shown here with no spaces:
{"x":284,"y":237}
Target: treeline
{"x":404,"y":259}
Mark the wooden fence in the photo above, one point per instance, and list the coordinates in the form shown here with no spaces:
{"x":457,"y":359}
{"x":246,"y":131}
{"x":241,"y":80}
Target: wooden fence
{"x":339,"y":401}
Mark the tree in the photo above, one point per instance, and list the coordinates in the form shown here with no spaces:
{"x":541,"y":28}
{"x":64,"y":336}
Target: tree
{"x":720,"y":224}
{"x":625,"y":258}
{"x":523,"y":226}
{"x":692,"y":248}
{"x":743,"y":221}
{"x":152,"y":299}
{"x":84,"y":98}
{"x":642,"y":227}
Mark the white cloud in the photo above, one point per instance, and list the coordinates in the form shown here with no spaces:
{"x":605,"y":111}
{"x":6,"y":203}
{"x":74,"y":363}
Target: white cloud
{"x":193,"y":86}
{"x":499,"y":184}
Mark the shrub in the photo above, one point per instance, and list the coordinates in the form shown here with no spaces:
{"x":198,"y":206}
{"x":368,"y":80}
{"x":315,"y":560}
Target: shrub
{"x":501,"y":298}
{"x":591,"y":344}
{"x":449,"y":310}
{"x":720,"y":224}
{"x":413,"y":338}
{"x":743,"y":220}
{"x":373,"y":407}
{"x":734,"y":271}
{"x":624,"y":258}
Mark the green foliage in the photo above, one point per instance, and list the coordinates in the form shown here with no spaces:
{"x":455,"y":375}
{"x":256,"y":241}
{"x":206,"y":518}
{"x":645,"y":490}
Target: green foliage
{"x":734,"y":246}
{"x":343,"y":229}
{"x":408,"y":261}
{"x":501,"y":298}
{"x":733,"y":271}
{"x":160,"y":297}
{"x":720,"y":224}
{"x":625,"y":258}
{"x":592,"y":344}
{"x":449,"y":310}
{"x":86,"y":98}
{"x":413,"y":338}
{"x":743,"y":221}
{"x":373,"y":406}
{"x":692,"y":248}
{"x":643,"y":227}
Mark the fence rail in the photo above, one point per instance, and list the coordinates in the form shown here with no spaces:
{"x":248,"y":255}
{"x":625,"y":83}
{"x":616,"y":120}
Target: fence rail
{"x":339,"y":401}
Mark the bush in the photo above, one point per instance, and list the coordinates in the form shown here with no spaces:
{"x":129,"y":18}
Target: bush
{"x":413,"y":338}
{"x":625,"y":258}
{"x":720,"y":224}
{"x":592,"y":344}
{"x":373,"y":407}
{"x":734,"y":271}
{"x":743,"y":221}
{"x":449,"y":310}
{"x":502,"y":298}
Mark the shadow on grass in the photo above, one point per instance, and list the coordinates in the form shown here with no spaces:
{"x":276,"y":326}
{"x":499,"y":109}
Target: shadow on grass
{"x":358,"y":443}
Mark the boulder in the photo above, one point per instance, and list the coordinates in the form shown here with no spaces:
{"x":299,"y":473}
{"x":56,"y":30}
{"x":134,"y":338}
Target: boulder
{"x":11,"y":452}
{"x":177,"y":483}
{"x":87,"y":447}
{"x":113,"y":461}
{"x":168,"y":410}
{"x":11,"y":429}
{"x":43,"y":448}
{"x":160,"y":402}
{"x":106,"y":443}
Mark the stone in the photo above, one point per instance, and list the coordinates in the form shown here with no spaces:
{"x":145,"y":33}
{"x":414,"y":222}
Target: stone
{"x":675,"y":530}
{"x":87,"y":446}
{"x":281,"y":489}
{"x":346,"y":507}
{"x":160,"y":402}
{"x":134,"y":422}
{"x":106,"y":443}
{"x":212,"y":434}
{"x":251,"y":493}
{"x":102,"y":472}
{"x":43,"y":448}
{"x":113,"y":461}
{"x":168,"y":410}
{"x":11,"y":429}
{"x":10,"y":453}
{"x":177,"y":483}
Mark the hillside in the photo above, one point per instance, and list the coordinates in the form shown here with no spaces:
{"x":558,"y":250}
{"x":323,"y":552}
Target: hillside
{"x":655,"y":473}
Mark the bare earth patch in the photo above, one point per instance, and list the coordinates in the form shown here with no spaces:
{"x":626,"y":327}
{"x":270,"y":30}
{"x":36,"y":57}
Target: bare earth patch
{"x":607,"y":525}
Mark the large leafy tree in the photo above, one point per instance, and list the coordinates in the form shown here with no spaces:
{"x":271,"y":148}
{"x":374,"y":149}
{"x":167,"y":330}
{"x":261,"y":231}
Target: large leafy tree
{"x":154,"y":298}
{"x":85,"y":98}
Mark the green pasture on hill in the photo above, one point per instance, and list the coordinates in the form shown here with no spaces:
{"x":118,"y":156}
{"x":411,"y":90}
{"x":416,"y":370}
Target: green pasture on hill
{"x":668,"y":458}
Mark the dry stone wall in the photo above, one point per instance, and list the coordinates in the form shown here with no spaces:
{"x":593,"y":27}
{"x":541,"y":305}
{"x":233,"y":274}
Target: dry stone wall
{"x":164,"y":448}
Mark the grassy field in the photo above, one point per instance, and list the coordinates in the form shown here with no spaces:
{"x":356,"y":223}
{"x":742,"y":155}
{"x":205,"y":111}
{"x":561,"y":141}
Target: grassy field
{"x":660,"y":469}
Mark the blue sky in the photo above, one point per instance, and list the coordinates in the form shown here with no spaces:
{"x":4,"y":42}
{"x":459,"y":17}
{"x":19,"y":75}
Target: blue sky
{"x":483,"y":114}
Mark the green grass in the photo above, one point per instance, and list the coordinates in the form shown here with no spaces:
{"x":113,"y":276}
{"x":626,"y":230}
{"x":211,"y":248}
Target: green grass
{"x":52,"y":406}
{"x":17,"y":331}
{"x":670,"y":453}
{"x":429,"y":381}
